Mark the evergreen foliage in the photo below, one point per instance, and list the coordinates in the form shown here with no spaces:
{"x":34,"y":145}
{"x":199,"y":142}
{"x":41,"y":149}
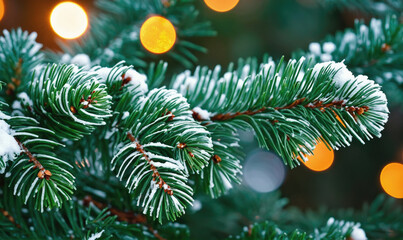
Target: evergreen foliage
{"x":91,"y":142}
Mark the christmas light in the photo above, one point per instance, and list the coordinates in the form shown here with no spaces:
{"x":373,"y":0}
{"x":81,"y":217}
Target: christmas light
{"x":157,"y":34}
{"x":264,"y":171}
{"x":321,"y":159}
{"x":392,"y":179}
{"x":221,"y":5}
{"x":1,"y":9}
{"x":69,"y":20}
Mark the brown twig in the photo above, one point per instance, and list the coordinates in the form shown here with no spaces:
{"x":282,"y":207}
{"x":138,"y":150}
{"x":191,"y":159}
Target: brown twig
{"x":156,"y":175}
{"x":42,"y":173}
{"x":317,"y":104}
{"x":15,"y":81}
{"x":124,"y":216}
{"x":9,"y":217}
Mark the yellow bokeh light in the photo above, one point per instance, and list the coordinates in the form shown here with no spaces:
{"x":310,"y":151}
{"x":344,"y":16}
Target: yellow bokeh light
{"x":321,"y":159}
{"x":392,"y":179}
{"x":157,"y":34}
{"x":221,"y":5}
{"x":1,"y":9}
{"x":68,"y":20}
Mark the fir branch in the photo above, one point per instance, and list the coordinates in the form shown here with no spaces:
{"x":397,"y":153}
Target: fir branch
{"x":19,"y":55}
{"x":42,"y":173}
{"x":289,"y":106}
{"x":374,"y":49}
{"x":115,"y":30}
{"x":71,"y":102}
{"x":129,"y":217}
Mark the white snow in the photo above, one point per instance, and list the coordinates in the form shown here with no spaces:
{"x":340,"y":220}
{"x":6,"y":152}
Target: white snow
{"x":9,"y":147}
{"x":96,"y":235}
{"x":341,"y":77}
{"x":125,"y":115}
{"x":65,"y":58}
{"x":376,"y":26}
{"x":329,"y":47}
{"x":330,"y":221}
{"x":185,"y":83}
{"x":204,"y":114}
{"x":326,"y":57}
{"x":137,"y":79}
{"x":358,"y":234}
{"x":25,"y":99}
{"x":81,"y":60}
{"x":315,"y":48}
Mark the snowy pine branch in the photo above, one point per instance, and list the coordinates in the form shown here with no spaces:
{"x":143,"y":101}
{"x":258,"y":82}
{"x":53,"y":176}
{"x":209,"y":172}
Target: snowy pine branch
{"x":115,"y":31}
{"x":379,"y":8}
{"x":289,"y":106}
{"x":333,"y":230}
{"x":19,"y":54}
{"x":374,"y":49}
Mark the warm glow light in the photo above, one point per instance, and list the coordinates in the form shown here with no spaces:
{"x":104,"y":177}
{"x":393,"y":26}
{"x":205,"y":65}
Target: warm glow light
{"x":221,"y":5}
{"x":392,"y":179}
{"x":1,"y":9}
{"x":321,"y":159}
{"x":157,"y":34}
{"x":68,"y":20}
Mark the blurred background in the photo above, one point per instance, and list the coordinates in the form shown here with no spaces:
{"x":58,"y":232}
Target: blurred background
{"x":252,"y":28}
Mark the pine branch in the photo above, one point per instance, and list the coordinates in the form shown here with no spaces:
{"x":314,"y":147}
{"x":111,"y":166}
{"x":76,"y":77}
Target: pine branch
{"x":115,"y":30}
{"x":374,"y":49}
{"x":160,"y":144}
{"x":378,"y":8}
{"x":289,"y":106}
{"x":129,"y":217}
{"x":266,"y":230}
{"x":19,"y":54}
{"x":71,"y":102}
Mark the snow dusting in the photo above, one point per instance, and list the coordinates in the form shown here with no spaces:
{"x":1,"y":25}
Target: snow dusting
{"x":137,"y":79}
{"x":96,"y":235}
{"x":81,"y":60}
{"x":203,"y":114}
{"x":9,"y":147}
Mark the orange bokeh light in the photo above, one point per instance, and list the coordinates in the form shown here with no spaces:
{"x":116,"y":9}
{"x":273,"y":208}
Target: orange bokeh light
{"x":1,"y":9}
{"x":221,"y":5}
{"x":69,"y":20}
{"x":392,"y":179}
{"x":321,"y":159}
{"x":157,"y":35}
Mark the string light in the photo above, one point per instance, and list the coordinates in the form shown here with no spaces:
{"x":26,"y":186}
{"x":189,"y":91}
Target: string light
{"x":157,"y":35}
{"x":264,"y":171}
{"x":321,"y":159}
{"x":392,"y":179}
{"x":221,"y":5}
{"x":68,"y":20}
{"x":1,"y":9}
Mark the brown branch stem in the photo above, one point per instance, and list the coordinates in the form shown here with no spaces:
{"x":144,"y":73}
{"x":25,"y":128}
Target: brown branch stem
{"x":42,"y":173}
{"x":124,"y":216}
{"x":316,"y":104}
{"x":156,"y":175}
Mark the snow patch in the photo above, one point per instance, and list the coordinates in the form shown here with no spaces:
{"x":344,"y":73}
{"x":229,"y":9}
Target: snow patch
{"x":137,"y":79}
{"x":96,"y":235}
{"x":9,"y":147}
{"x":81,"y":60}
{"x":204,"y":114}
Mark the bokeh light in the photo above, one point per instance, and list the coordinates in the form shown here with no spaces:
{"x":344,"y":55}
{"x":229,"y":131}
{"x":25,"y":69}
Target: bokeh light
{"x":157,"y":34}
{"x":392,"y":179}
{"x":264,"y":171}
{"x":68,"y":20}
{"x":221,"y":5}
{"x":1,"y":9}
{"x":321,"y":159}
